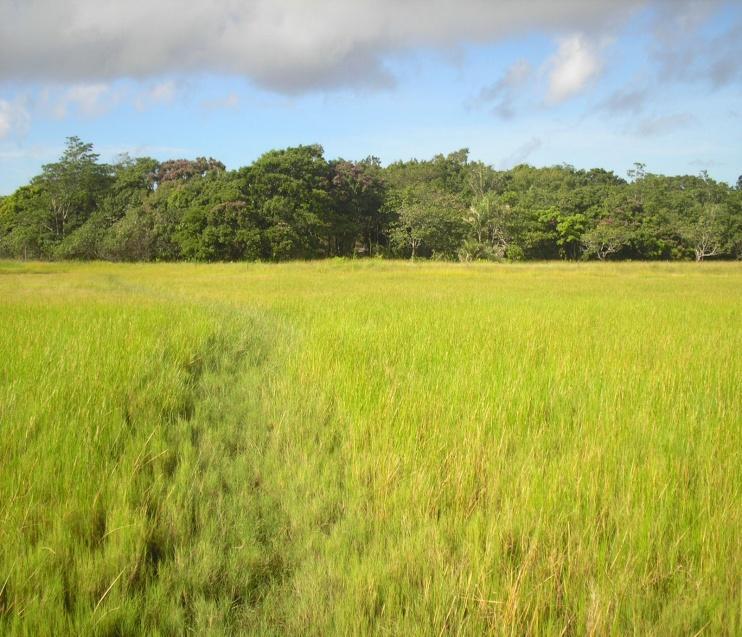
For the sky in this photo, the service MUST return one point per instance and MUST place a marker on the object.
(592, 83)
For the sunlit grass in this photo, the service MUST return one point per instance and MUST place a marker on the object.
(370, 447)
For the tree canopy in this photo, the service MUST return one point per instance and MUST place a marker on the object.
(295, 204)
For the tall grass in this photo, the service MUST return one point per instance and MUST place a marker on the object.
(359, 447)
(123, 485)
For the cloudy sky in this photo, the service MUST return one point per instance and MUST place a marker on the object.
(587, 82)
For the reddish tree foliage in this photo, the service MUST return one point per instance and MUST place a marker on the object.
(184, 169)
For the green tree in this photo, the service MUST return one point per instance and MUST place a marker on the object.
(24, 233)
(357, 190)
(608, 237)
(217, 224)
(131, 184)
(705, 229)
(567, 230)
(494, 228)
(290, 189)
(447, 173)
(429, 221)
(72, 187)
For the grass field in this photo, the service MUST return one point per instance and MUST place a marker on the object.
(361, 447)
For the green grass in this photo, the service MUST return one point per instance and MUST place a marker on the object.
(359, 447)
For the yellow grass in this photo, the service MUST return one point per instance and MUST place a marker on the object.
(364, 447)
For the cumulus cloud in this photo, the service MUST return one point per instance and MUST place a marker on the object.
(502, 94)
(289, 46)
(572, 67)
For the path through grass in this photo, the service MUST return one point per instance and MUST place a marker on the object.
(359, 447)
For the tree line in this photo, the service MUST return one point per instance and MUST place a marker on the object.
(296, 204)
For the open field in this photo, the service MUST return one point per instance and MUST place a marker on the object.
(356, 447)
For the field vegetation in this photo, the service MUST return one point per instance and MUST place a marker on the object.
(294, 203)
(370, 447)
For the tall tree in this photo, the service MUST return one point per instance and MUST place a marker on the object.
(72, 187)
(705, 230)
(430, 221)
(358, 193)
(494, 228)
(291, 190)
(608, 237)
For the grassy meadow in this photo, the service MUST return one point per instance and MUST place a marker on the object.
(370, 447)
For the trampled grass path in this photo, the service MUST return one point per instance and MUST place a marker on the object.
(370, 448)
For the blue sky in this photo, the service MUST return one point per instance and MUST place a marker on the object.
(657, 82)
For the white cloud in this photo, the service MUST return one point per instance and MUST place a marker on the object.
(289, 46)
(161, 93)
(664, 124)
(625, 100)
(230, 101)
(87, 98)
(14, 118)
(502, 94)
(520, 154)
(38, 153)
(84, 99)
(5, 116)
(572, 67)
(685, 52)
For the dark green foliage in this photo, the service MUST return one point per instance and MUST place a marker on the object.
(294, 204)
(357, 192)
(23, 233)
(215, 222)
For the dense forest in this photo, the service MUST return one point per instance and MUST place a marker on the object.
(296, 204)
